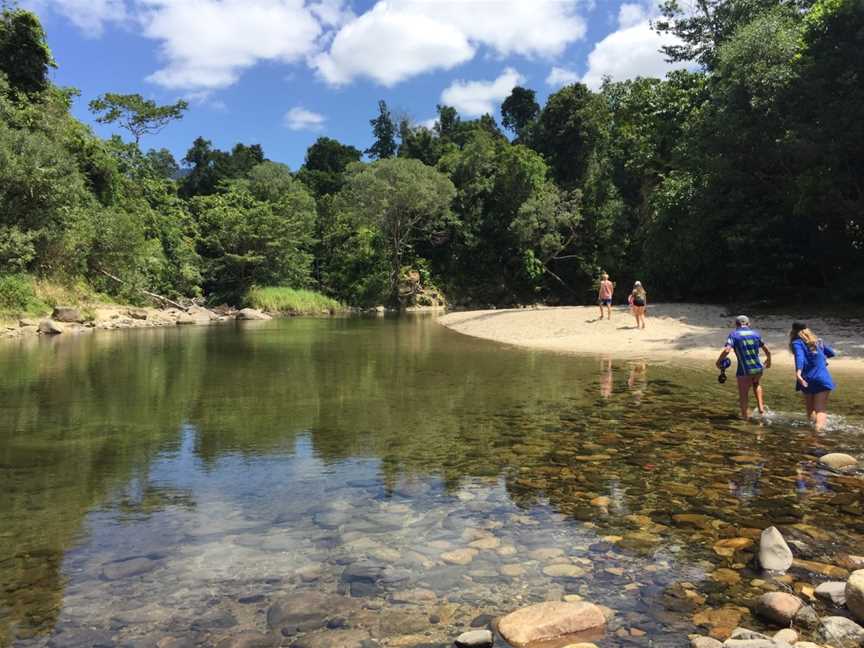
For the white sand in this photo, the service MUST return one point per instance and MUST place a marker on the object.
(686, 332)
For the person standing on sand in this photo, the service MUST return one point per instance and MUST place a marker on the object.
(747, 343)
(604, 296)
(638, 301)
(811, 372)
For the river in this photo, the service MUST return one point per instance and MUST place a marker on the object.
(390, 482)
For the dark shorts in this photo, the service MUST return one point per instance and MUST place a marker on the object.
(814, 387)
(605, 302)
(639, 302)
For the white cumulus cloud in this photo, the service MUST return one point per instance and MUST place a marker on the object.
(631, 51)
(207, 43)
(398, 39)
(298, 118)
(389, 44)
(561, 76)
(474, 98)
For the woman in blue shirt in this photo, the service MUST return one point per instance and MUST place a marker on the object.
(811, 371)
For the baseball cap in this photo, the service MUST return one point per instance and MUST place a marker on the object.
(743, 320)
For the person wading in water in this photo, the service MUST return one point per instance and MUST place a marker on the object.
(747, 343)
(812, 377)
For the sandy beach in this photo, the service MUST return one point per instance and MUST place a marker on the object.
(685, 332)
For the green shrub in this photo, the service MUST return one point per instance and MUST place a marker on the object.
(279, 299)
(18, 295)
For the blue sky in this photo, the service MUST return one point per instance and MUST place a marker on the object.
(283, 72)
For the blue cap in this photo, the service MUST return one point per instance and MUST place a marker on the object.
(726, 363)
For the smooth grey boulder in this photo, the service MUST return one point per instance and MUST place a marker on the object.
(475, 639)
(704, 642)
(832, 592)
(840, 631)
(774, 554)
(252, 314)
(49, 327)
(854, 593)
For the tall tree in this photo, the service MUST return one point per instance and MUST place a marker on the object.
(135, 114)
(519, 110)
(704, 25)
(405, 200)
(324, 167)
(566, 133)
(384, 132)
(24, 54)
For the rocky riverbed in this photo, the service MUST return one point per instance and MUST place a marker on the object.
(268, 492)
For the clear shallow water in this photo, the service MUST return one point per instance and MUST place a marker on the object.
(404, 481)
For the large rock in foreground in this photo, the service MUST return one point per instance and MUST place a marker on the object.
(774, 554)
(550, 620)
(855, 595)
(778, 607)
(840, 631)
(838, 461)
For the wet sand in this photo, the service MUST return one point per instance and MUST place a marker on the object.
(693, 333)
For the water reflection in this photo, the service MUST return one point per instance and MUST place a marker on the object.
(157, 479)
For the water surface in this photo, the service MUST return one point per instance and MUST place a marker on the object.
(404, 481)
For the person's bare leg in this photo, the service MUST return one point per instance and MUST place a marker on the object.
(808, 405)
(820, 408)
(601, 311)
(744, 396)
(760, 396)
(608, 312)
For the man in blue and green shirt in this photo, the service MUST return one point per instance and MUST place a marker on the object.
(747, 343)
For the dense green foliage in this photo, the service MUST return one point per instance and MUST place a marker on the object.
(739, 178)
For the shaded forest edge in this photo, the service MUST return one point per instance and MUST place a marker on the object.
(739, 179)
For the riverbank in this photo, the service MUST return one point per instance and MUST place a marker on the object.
(691, 332)
(71, 320)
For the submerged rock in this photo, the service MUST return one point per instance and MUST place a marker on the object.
(549, 621)
(128, 568)
(855, 594)
(564, 571)
(299, 612)
(774, 554)
(248, 639)
(459, 556)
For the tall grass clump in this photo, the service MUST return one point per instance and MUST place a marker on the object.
(18, 296)
(280, 299)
